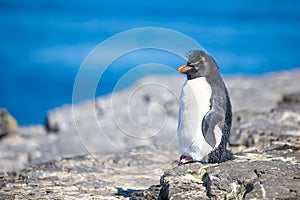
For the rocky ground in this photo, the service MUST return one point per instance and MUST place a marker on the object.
(268, 167)
(109, 131)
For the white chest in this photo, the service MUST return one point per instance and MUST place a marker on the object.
(194, 105)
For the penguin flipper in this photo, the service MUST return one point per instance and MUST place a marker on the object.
(210, 122)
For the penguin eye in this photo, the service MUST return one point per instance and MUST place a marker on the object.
(190, 64)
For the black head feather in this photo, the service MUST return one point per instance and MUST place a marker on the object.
(202, 65)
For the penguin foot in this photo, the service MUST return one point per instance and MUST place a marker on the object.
(185, 159)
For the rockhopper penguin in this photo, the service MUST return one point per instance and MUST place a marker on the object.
(205, 114)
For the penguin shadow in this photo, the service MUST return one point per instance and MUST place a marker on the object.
(126, 192)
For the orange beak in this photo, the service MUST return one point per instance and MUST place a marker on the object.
(183, 69)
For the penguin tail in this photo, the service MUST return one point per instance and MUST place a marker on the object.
(229, 155)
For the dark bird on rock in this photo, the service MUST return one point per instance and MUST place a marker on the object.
(205, 114)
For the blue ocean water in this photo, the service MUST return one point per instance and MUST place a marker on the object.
(44, 42)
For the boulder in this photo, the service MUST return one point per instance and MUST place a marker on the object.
(8, 124)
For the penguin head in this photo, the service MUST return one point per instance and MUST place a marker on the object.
(199, 64)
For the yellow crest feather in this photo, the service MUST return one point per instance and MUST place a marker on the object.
(202, 59)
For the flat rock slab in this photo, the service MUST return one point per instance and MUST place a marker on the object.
(255, 175)
(265, 174)
(113, 176)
